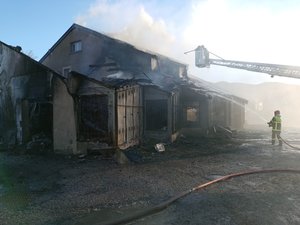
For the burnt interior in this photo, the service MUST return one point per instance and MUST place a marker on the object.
(156, 114)
(93, 117)
(40, 118)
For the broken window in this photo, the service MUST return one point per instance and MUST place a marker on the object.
(192, 114)
(66, 71)
(93, 117)
(154, 64)
(156, 114)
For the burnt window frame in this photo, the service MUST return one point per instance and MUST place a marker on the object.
(198, 107)
(195, 114)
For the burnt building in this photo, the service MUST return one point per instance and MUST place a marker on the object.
(92, 115)
(206, 108)
(93, 92)
(141, 97)
(26, 96)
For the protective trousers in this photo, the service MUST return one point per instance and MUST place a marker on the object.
(276, 134)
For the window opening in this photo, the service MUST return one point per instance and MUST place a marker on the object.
(66, 71)
(76, 46)
(192, 114)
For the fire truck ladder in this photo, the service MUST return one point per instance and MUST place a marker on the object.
(202, 59)
(272, 69)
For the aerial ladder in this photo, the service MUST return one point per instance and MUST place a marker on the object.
(202, 59)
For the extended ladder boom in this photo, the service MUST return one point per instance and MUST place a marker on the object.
(272, 69)
(202, 60)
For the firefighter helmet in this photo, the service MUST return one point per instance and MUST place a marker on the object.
(277, 112)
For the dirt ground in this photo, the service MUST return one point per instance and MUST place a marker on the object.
(48, 189)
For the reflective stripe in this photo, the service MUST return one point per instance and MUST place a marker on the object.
(276, 122)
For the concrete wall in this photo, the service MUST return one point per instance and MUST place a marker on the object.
(64, 123)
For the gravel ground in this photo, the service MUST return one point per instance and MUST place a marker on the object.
(49, 189)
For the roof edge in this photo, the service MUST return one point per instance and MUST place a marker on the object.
(74, 25)
(57, 42)
(31, 59)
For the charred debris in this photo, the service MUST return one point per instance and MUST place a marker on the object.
(91, 92)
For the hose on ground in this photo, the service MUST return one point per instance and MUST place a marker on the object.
(285, 142)
(165, 204)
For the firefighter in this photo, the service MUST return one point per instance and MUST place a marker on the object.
(275, 123)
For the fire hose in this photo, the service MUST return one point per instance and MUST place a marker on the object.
(285, 142)
(165, 204)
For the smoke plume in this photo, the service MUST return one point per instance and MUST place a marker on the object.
(130, 22)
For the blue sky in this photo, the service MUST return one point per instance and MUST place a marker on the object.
(257, 30)
(35, 25)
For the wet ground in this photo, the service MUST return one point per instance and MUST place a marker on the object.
(49, 189)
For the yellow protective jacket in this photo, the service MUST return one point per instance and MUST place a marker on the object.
(276, 123)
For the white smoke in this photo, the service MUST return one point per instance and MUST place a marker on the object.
(236, 31)
(130, 22)
(247, 33)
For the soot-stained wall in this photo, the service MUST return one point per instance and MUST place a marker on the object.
(25, 97)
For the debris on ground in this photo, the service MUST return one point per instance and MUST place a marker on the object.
(160, 147)
(48, 189)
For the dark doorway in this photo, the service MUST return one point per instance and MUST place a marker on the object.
(40, 117)
(93, 118)
(156, 114)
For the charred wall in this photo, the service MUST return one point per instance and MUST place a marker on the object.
(220, 111)
(161, 114)
(25, 97)
(195, 111)
(97, 53)
(228, 111)
(84, 116)
(237, 116)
